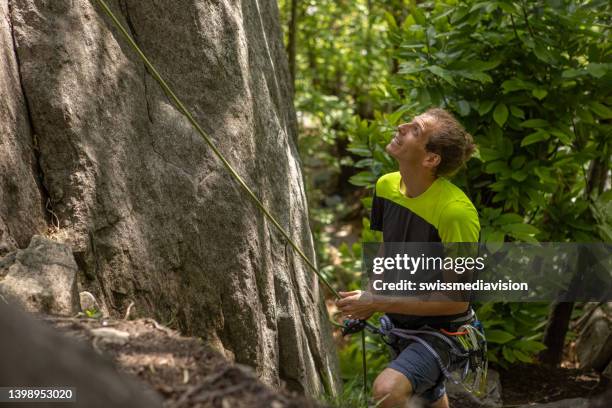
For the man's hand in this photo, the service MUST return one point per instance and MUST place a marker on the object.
(357, 304)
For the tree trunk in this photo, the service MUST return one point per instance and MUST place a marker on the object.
(561, 312)
(150, 213)
(292, 39)
(556, 329)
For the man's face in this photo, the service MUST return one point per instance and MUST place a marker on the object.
(409, 142)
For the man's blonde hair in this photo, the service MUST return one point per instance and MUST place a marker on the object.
(448, 139)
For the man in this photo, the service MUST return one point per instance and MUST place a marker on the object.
(419, 204)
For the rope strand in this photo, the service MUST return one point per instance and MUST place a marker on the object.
(181, 107)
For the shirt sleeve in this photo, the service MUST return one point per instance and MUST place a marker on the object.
(376, 216)
(459, 223)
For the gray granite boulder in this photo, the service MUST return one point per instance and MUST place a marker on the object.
(42, 278)
(92, 147)
(36, 355)
(594, 344)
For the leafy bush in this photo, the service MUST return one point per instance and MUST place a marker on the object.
(513, 330)
(531, 82)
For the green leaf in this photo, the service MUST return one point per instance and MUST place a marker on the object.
(597, 70)
(497, 166)
(534, 123)
(463, 107)
(360, 151)
(474, 65)
(508, 355)
(480, 5)
(517, 112)
(394, 117)
(516, 84)
(418, 15)
(475, 76)
(585, 115)
(542, 53)
(390, 20)
(486, 65)
(491, 356)
(487, 154)
(535, 137)
(539, 93)
(563, 137)
(601, 110)
(362, 179)
(506, 148)
(498, 336)
(529, 346)
(509, 218)
(520, 228)
(410, 68)
(518, 162)
(525, 238)
(573, 73)
(495, 236)
(484, 107)
(459, 14)
(442, 73)
(500, 114)
(519, 175)
(93, 313)
(522, 356)
(507, 7)
(367, 202)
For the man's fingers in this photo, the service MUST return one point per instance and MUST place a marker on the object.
(346, 308)
(346, 294)
(343, 302)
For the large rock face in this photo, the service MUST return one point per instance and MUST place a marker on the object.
(21, 201)
(150, 213)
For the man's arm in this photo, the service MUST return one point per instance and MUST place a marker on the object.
(362, 304)
(406, 305)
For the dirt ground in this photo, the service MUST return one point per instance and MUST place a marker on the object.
(188, 375)
(533, 383)
(181, 369)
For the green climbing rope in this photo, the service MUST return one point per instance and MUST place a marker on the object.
(181, 107)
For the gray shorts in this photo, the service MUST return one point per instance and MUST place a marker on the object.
(422, 370)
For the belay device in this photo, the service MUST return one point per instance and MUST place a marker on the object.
(467, 346)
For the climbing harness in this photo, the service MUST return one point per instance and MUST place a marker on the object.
(467, 347)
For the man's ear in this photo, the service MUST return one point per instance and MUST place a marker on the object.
(432, 160)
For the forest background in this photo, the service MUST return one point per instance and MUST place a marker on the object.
(530, 80)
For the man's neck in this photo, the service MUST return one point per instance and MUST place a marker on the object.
(415, 180)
